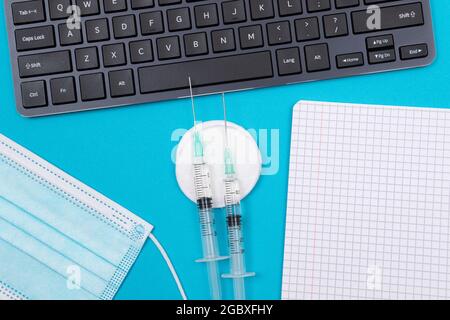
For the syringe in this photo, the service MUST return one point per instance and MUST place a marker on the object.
(202, 184)
(234, 220)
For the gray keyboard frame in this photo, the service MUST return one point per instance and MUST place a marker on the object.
(337, 46)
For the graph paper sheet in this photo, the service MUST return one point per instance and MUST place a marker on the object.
(368, 203)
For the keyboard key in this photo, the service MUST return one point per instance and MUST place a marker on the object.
(151, 23)
(206, 72)
(121, 83)
(167, 2)
(350, 60)
(178, 19)
(114, 55)
(124, 27)
(168, 48)
(307, 29)
(34, 94)
(97, 30)
(114, 5)
(58, 9)
(335, 25)
(195, 44)
(414, 51)
(279, 33)
(318, 5)
(251, 37)
(69, 37)
(63, 90)
(289, 7)
(393, 17)
(28, 12)
(141, 51)
(340, 4)
(87, 58)
(223, 40)
(88, 7)
(261, 9)
(317, 58)
(92, 87)
(380, 42)
(141, 4)
(233, 11)
(288, 61)
(381, 56)
(44, 64)
(35, 38)
(206, 15)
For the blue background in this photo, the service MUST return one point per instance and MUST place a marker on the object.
(125, 153)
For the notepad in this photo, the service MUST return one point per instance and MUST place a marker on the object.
(368, 203)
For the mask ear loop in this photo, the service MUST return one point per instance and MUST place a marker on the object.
(169, 264)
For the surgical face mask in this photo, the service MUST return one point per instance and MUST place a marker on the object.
(60, 239)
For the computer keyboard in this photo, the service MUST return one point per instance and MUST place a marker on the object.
(122, 52)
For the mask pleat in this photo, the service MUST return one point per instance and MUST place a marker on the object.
(62, 213)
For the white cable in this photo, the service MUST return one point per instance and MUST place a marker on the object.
(169, 264)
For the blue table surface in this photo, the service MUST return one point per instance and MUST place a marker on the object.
(125, 153)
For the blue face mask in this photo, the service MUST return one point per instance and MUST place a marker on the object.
(59, 239)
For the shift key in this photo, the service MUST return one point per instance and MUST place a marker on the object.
(44, 64)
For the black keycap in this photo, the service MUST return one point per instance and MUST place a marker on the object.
(92, 87)
(178, 19)
(251, 37)
(233, 11)
(87, 58)
(167, 2)
(350, 60)
(380, 42)
(58, 9)
(195, 44)
(288, 61)
(35, 38)
(317, 58)
(28, 12)
(381, 56)
(124, 26)
(88, 7)
(307, 29)
(415, 51)
(206, 15)
(97, 30)
(151, 23)
(121, 83)
(34, 94)
(140, 4)
(114, 55)
(393, 17)
(346, 3)
(318, 5)
(335, 25)
(114, 5)
(44, 64)
(223, 40)
(69, 37)
(261, 9)
(141, 51)
(206, 72)
(279, 33)
(168, 48)
(63, 90)
(290, 7)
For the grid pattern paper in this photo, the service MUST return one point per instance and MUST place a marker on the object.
(368, 203)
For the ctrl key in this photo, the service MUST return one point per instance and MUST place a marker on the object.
(34, 94)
